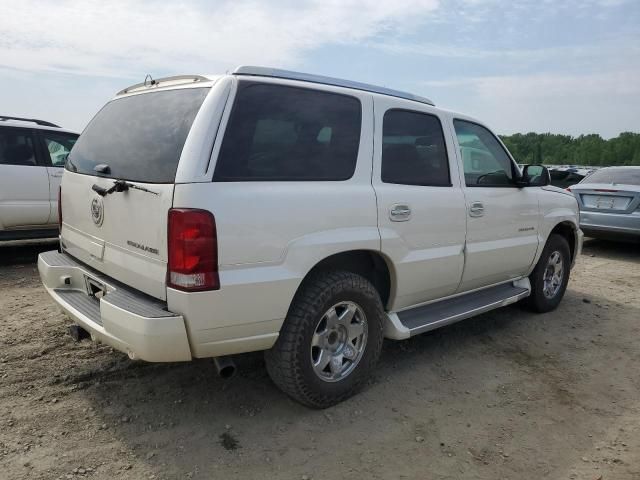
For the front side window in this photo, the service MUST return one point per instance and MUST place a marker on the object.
(16, 147)
(58, 146)
(413, 149)
(486, 163)
(285, 133)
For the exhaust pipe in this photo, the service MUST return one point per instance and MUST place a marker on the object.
(78, 333)
(225, 367)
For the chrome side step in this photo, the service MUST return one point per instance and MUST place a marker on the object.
(415, 321)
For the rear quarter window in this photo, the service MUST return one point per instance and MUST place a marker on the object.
(282, 133)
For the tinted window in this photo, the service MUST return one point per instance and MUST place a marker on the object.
(287, 133)
(16, 147)
(413, 149)
(626, 176)
(485, 161)
(58, 146)
(139, 137)
(563, 178)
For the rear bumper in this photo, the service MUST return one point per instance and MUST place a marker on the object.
(125, 319)
(598, 222)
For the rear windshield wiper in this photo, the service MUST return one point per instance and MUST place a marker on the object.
(119, 186)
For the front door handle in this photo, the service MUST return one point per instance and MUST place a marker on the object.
(476, 209)
(399, 213)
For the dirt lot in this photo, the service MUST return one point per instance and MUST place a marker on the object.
(505, 395)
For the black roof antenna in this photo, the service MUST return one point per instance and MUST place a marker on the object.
(151, 80)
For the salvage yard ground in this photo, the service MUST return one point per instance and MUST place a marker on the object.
(507, 395)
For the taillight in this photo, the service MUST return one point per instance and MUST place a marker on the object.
(60, 208)
(193, 250)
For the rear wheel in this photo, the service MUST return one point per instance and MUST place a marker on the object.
(330, 341)
(550, 277)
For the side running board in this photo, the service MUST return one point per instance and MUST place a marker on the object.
(414, 321)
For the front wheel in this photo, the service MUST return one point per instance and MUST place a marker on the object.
(550, 277)
(330, 341)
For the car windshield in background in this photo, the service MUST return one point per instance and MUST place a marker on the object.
(139, 137)
(624, 176)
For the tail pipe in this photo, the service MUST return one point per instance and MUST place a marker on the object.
(78, 333)
(225, 367)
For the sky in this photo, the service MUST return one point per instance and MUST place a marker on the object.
(560, 66)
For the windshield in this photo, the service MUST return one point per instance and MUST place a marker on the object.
(140, 137)
(625, 176)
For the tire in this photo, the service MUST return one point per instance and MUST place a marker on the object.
(546, 297)
(296, 366)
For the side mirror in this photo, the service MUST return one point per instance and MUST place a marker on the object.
(534, 176)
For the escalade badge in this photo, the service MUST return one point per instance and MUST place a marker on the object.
(142, 247)
(97, 210)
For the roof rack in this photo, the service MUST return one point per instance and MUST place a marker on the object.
(306, 77)
(175, 80)
(44, 123)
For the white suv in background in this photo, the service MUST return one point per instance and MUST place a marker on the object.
(32, 157)
(306, 216)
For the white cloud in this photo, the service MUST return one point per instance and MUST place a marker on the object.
(603, 102)
(569, 66)
(124, 38)
(603, 51)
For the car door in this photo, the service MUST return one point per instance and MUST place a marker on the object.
(56, 147)
(24, 183)
(502, 219)
(421, 210)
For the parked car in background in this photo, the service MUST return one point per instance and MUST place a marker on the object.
(609, 200)
(564, 178)
(305, 216)
(32, 158)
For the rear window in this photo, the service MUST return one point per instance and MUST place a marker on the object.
(287, 133)
(625, 176)
(140, 137)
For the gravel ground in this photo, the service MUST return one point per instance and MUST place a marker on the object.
(507, 395)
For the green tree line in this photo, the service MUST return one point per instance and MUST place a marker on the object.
(592, 149)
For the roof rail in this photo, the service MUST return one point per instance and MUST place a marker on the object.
(175, 80)
(306, 77)
(44, 123)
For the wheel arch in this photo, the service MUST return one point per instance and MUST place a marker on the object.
(370, 264)
(569, 232)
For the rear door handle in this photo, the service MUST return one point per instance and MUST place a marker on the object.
(399, 213)
(476, 209)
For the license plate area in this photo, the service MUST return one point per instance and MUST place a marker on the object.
(95, 289)
(606, 202)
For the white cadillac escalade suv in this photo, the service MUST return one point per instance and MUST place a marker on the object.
(305, 216)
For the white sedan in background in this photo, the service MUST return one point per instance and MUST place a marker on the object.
(609, 200)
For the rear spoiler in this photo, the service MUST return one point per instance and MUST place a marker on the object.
(163, 82)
